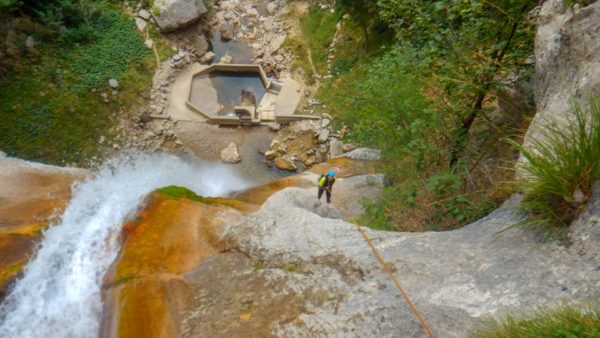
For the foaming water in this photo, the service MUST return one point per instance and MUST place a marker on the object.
(59, 294)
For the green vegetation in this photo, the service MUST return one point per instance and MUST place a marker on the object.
(177, 192)
(563, 322)
(318, 28)
(425, 93)
(51, 108)
(301, 60)
(291, 267)
(562, 166)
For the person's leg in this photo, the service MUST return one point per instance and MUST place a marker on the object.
(320, 193)
(328, 196)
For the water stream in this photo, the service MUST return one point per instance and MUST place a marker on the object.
(59, 293)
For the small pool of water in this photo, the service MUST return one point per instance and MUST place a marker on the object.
(240, 51)
(231, 85)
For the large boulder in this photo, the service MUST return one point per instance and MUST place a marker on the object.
(567, 58)
(176, 14)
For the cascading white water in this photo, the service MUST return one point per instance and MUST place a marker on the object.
(59, 294)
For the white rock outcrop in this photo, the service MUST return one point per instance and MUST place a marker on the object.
(567, 57)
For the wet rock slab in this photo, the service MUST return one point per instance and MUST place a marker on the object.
(31, 196)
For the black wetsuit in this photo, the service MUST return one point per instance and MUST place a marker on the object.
(329, 181)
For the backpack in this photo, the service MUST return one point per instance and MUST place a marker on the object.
(322, 181)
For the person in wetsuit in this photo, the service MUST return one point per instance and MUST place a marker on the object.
(326, 185)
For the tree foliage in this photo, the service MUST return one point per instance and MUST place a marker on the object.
(470, 48)
(419, 102)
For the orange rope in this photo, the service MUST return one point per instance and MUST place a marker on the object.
(386, 268)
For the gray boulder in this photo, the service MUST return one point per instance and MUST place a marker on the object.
(230, 154)
(227, 31)
(323, 135)
(335, 147)
(176, 14)
(363, 154)
(208, 57)
(144, 14)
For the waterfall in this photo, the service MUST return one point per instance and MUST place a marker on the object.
(59, 294)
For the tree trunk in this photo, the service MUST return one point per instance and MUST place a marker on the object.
(485, 83)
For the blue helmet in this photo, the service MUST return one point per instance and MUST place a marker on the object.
(331, 173)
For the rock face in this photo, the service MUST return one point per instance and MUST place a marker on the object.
(295, 268)
(146, 287)
(176, 14)
(567, 56)
(455, 278)
(230, 154)
(173, 279)
(31, 196)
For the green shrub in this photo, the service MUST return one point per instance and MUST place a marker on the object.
(563, 322)
(177, 192)
(342, 66)
(62, 87)
(560, 171)
(7, 3)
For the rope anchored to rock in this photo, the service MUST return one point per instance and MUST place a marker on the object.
(387, 268)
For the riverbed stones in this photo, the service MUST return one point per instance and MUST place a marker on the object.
(226, 59)
(252, 12)
(285, 163)
(323, 136)
(176, 14)
(149, 43)
(270, 154)
(230, 154)
(208, 57)
(227, 31)
(272, 8)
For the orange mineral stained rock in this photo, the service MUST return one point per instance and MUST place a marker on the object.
(146, 286)
(31, 196)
